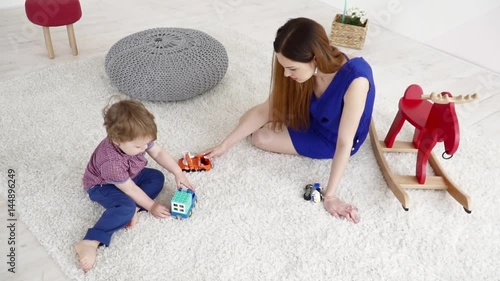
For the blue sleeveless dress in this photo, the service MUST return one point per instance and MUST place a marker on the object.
(320, 139)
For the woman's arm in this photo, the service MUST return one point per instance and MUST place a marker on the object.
(354, 104)
(251, 121)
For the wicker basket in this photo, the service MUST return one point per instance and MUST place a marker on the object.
(347, 35)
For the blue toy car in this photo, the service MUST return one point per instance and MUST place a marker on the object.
(182, 203)
(312, 192)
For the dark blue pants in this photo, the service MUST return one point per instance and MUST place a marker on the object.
(120, 208)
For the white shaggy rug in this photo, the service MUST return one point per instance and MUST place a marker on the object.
(251, 222)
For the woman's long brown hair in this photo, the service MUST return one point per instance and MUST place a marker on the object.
(301, 40)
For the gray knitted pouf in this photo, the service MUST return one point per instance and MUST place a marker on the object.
(166, 64)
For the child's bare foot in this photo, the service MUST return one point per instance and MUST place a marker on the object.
(87, 253)
(133, 221)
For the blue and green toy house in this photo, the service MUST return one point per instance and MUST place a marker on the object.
(182, 203)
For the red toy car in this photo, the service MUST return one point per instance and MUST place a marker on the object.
(194, 163)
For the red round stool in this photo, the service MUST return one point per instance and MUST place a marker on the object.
(55, 13)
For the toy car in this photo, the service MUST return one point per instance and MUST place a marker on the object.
(182, 203)
(194, 163)
(312, 192)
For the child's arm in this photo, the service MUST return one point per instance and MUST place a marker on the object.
(142, 199)
(166, 161)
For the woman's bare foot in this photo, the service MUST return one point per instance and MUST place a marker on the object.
(134, 219)
(87, 253)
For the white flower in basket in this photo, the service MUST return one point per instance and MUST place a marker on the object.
(355, 16)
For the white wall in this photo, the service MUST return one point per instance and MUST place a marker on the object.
(467, 31)
(11, 3)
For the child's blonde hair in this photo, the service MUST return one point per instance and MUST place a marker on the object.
(127, 120)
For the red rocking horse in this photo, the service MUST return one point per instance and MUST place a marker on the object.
(435, 120)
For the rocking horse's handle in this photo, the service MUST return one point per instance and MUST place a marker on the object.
(445, 99)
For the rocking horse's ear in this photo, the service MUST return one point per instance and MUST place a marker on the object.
(413, 92)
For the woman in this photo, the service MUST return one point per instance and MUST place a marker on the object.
(320, 106)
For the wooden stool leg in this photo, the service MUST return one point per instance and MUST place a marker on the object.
(48, 41)
(72, 40)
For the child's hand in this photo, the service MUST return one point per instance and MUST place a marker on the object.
(182, 180)
(159, 211)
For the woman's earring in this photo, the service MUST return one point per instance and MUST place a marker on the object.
(316, 70)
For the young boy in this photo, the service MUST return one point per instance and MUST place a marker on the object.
(117, 178)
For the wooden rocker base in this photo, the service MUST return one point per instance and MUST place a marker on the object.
(397, 183)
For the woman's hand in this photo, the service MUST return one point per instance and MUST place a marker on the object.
(182, 180)
(159, 211)
(216, 151)
(340, 209)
